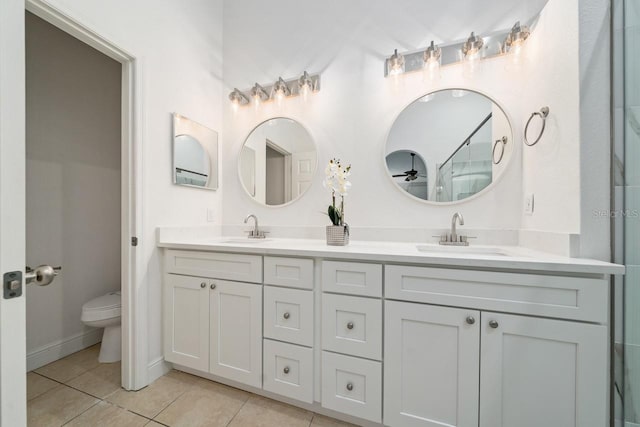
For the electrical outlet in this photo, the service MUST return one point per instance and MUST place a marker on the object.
(528, 204)
(211, 215)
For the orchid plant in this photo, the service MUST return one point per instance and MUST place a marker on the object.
(336, 175)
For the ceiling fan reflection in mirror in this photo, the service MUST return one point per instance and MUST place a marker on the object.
(411, 175)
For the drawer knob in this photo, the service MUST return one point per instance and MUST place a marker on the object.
(286, 370)
(203, 285)
(286, 315)
(213, 286)
(471, 320)
(493, 323)
(349, 386)
(350, 325)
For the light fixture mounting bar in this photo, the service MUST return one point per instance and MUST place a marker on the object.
(452, 53)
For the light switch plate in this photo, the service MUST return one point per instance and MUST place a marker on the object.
(529, 204)
(211, 215)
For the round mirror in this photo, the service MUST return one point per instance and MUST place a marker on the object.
(277, 162)
(448, 145)
(192, 162)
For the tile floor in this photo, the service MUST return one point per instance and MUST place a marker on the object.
(79, 391)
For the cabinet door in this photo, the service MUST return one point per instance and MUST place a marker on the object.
(186, 321)
(431, 365)
(236, 331)
(540, 372)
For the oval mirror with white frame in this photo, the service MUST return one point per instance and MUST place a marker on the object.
(277, 162)
(448, 145)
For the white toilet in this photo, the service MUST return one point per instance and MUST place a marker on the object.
(104, 312)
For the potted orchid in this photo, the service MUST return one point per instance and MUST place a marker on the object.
(336, 175)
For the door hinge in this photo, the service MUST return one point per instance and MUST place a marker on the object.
(134, 241)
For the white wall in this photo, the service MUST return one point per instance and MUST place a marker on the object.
(352, 114)
(73, 179)
(178, 46)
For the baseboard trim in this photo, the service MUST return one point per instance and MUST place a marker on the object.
(64, 347)
(158, 368)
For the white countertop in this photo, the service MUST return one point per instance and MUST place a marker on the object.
(514, 258)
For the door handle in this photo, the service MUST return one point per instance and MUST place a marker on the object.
(43, 275)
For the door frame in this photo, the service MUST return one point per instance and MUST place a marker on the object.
(134, 289)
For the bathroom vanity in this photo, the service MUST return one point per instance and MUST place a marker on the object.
(385, 333)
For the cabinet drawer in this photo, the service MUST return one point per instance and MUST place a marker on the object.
(291, 272)
(238, 267)
(352, 325)
(550, 296)
(354, 278)
(288, 315)
(288, 370)
(352, 386)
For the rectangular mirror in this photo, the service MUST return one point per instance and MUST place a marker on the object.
(195, 154)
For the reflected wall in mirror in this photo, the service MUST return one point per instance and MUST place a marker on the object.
(277, 162)
(440, 148)
(195, 154)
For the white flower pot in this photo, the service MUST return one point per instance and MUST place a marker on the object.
(337, 235)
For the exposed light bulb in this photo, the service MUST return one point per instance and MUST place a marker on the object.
(515, 40)
(237, 98)
(396, 64)
(432, 61)
(258, 94)
(472, 51)
(305, 85)
(235, 104)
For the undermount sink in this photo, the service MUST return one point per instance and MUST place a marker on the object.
(244, 240)
(469, 250)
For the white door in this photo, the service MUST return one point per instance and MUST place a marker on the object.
(302, 165)
(186, 321)
(540, 372)
(13, 368)
(236, 331)
(431, 365)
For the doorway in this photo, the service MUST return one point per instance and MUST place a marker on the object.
(73, 180)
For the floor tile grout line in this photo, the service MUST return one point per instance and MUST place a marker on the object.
(238, 411)
(96, 403)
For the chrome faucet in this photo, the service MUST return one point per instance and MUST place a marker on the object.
(459, 218)
(256, 233)
(452, 239)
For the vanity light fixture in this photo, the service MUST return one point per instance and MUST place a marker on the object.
(237, 98)
(258, 94)
(395, 64)
(277, 91)
(516, 38)
(469, 51)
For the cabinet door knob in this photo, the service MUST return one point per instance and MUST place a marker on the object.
(471, 320)
(213, 286)
(286, 315)
(493, 323)
(350, 325)
(349, 386)
(286, 370)
(203, 285)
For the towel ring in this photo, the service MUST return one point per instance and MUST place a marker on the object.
(543, 113)
(496, 145)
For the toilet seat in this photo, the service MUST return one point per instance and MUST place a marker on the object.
(101, 308)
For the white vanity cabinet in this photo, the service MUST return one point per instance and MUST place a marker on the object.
(528, 371)
(214, 325)
(390, 344)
